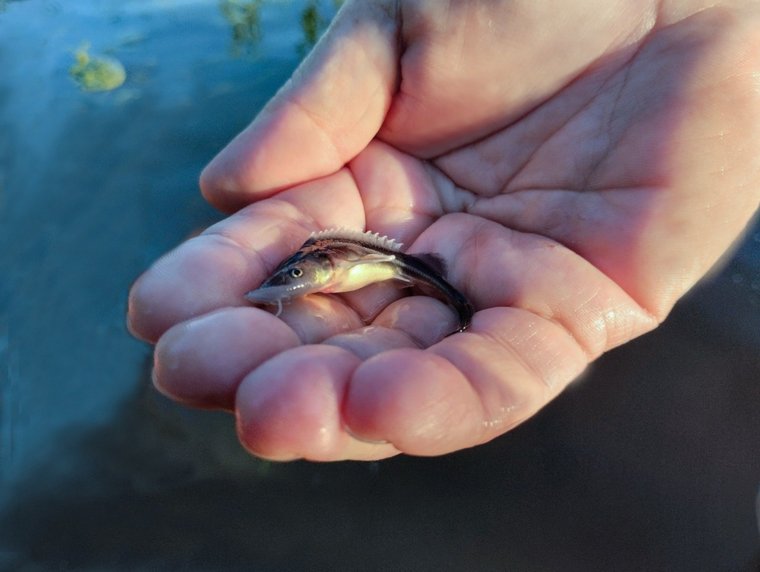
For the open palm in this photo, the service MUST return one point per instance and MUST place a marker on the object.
(578, 175)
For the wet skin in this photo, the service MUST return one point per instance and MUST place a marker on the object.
(339, 260)
(578, 174)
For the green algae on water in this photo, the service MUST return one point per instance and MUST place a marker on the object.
(97, 73)
(314, 20)
(312, 24)
(245, 23)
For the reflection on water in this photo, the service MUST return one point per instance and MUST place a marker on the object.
(245, 23)
(314, 19)
(312, 24)
(96, 73)
(103, 183)
(244, 19)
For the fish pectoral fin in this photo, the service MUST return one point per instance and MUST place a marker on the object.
(374, 258)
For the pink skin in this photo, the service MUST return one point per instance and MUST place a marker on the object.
(579, 169)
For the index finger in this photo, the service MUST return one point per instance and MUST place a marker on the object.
(326, 114)
(215, 269)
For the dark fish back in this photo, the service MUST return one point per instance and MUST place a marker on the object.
(432, 282)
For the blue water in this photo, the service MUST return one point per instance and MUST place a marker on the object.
(97, 185)
(652, 461)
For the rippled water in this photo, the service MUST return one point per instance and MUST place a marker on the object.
(651, 462)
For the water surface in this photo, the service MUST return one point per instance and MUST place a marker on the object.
(652, 461)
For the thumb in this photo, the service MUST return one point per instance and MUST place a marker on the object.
(327, 112)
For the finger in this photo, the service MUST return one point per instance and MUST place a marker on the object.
(415, 400)
(465, 390)
(330, 109)
(424, 320)
(398, 192)
(551, 313)
(370, 340)
(215, 269)
(290, 408)
(316, 317)
(201, 362)
(415, 322)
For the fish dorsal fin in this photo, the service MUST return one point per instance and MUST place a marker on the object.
(368, 238)
(434, 261)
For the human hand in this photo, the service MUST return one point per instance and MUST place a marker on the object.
(578, 167)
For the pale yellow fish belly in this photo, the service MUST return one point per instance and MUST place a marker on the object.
(360, 275)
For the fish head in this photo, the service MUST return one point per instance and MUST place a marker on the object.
(301, 274)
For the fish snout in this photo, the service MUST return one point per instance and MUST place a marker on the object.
(276, 294)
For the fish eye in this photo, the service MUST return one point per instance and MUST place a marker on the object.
(296, 272)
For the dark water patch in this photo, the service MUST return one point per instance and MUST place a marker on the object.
(649, 462)
(625, 471)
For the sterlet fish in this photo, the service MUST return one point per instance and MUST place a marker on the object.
(342, 260)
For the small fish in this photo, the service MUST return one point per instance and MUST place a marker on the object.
(340, 260)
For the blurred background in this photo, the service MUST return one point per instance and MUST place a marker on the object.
(108, 112)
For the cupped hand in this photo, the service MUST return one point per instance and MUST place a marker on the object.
(579, 167)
